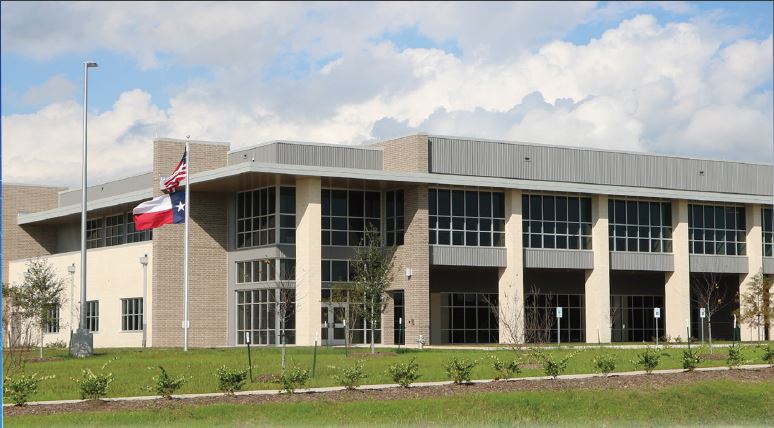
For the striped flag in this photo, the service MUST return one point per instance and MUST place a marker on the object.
(178, 175)
(165, 209)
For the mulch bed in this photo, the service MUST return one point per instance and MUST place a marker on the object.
(640, 382)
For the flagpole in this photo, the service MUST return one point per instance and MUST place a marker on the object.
(187, 218)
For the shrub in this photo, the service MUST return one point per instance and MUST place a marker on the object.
(230, 381)
(505, 369)
(293, 378)
(57, 344)
(460, 370)
(20, 388)
(768, 354)
(604, 364)
(691, 359)
(734, 358)
(404, 374)
(551, 366)
(94, 386)
(350, 377)
(166, 385)
(648, 359)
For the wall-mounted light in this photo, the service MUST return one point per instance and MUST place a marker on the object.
(409, 272)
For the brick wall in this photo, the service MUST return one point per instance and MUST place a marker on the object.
(21, 242)
(413, 254)
(407, 154)
(208, 262)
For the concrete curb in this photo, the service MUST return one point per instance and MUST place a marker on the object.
(393, 385)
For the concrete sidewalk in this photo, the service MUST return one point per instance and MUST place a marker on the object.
(393, 385)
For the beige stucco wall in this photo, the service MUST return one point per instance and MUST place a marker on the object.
(598, 279)
(511, 277)
(113, 273)
(677, 289)
(308, 259)
(754, 241)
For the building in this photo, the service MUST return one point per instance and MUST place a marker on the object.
(606, 235)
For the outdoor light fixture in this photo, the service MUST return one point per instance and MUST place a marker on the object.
(144, 263)
(409, 272)
(82, 342)
(71, 271)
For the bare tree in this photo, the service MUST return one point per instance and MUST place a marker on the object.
(756, 307)
(615, 309)
(536, 324)
(33, 299)
(708, 293)
(285, 306)
(372, 266)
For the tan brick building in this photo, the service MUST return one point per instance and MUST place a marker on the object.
(492, 240)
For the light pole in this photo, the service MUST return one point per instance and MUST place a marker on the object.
(71, 270)
(84, 341)
(144, 263)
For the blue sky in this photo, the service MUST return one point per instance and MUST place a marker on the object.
(351, 73)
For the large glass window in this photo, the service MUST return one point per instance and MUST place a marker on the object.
(133, 235)
(266, 315)
(469, 218)
(287, 215)
(131, 314)
(114, 230)
(540, 318)
(92, 315)
(395, 218)
(768, 239)
(287, 270)
(642, 226)
(256, 220)
(347, 214)
(469, 318)
(562, 222)
(94, 233)
(52, 318)
(255, 271)
(714, 229)
(337, 271)
(633, 318)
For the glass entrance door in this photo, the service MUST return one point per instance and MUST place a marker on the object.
(334, 328)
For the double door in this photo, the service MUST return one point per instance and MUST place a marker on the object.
(333, 319)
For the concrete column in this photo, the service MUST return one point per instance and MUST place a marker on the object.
(511, 282)
(754, 245)
(308, 259)
(677, 290)
(598, 279)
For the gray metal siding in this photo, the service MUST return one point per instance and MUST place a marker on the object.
(563, 164)
(467, 256)
(768, 265)
(106, 190)
(718, 264)
(558, 259)
(327, 155)
(642, 261)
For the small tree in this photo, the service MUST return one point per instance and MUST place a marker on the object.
(34, 297)
(756, 306)
(708, 293)
(373, 265)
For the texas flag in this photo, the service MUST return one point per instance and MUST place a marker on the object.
(165, 209)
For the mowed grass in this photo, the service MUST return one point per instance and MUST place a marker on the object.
(133, 369)
(710, 403)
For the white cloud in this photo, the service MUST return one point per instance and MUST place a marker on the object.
(57, 88)
(683, 88)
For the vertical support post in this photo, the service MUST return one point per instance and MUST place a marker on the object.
(144, 262)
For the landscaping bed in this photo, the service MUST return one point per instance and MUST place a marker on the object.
(614, 382)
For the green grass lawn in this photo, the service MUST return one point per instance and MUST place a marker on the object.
(133, 368)
(709, 403)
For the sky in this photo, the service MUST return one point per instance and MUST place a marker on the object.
(679, 78)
